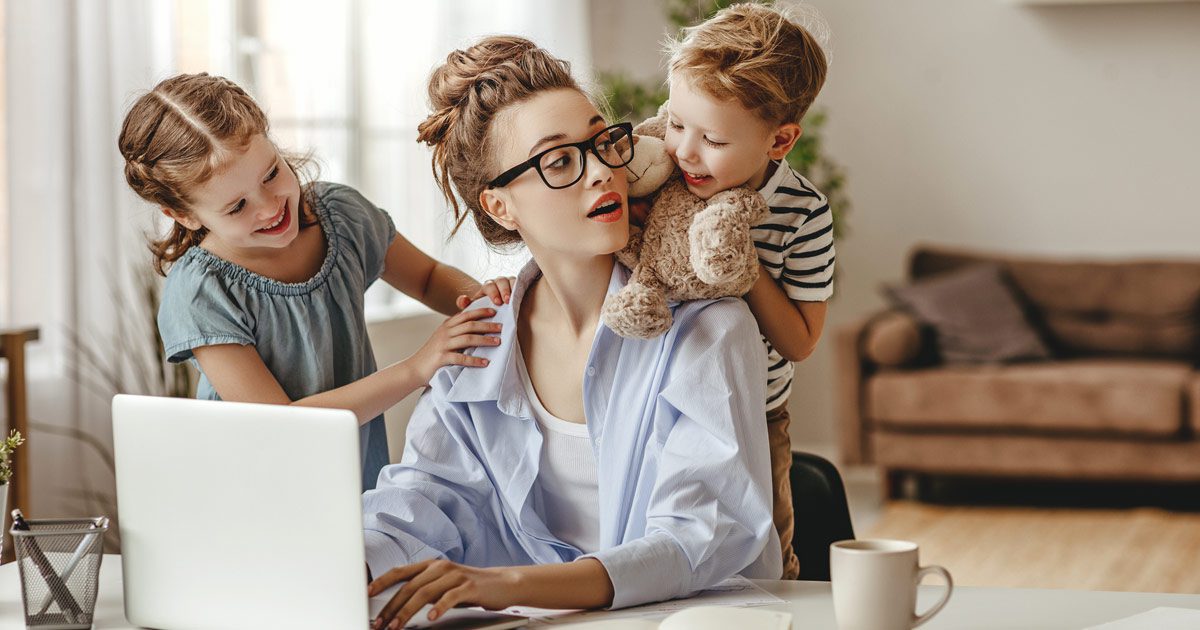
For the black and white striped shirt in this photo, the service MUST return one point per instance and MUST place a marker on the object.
(795, 244)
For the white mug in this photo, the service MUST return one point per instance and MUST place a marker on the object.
(875, 584)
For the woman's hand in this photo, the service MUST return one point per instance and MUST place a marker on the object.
(444, 585)
(457, 333)
(499, 289)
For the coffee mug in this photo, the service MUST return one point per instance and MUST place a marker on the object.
(875, 584)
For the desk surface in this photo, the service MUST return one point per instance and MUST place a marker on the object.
(809, 602)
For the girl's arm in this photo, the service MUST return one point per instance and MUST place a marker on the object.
(444, 584)
(417, 275)
(792, 327)
(238, 373)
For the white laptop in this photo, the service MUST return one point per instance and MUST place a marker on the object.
(236, 515)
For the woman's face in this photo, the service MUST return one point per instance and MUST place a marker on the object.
(587, 218)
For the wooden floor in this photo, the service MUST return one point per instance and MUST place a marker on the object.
(1135, 549)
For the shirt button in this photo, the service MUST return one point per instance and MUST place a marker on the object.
(591, 371)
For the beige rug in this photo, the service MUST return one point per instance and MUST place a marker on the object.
(1107, 550)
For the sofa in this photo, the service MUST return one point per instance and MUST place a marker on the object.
(1117, 399)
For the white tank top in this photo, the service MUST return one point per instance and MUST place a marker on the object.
(567, 474)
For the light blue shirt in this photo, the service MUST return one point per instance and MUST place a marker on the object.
(681, 455)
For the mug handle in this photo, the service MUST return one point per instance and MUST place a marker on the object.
(927, 615)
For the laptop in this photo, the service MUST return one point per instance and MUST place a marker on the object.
(235, 515)
(238, 515)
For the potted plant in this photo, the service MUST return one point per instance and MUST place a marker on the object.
(7, 446)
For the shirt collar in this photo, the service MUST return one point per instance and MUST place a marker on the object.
(500, 380)
(776, 180)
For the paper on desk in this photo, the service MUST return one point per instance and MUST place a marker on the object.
(1156, 619)
(735, 591)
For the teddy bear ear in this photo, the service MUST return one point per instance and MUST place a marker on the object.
(650, 168)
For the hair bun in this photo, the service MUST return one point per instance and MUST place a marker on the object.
(465, 74)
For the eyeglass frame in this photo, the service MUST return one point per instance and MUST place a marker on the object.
(584, 147)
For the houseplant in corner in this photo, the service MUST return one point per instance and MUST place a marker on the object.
(7, 446)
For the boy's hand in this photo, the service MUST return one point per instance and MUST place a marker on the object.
(499, 289)
(639, 209)
(457, 333)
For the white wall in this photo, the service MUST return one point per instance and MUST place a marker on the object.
(1053, 129)
(395, 340)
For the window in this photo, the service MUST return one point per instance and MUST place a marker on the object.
(347, 80)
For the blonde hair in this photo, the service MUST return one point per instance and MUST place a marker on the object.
(178, 135)
(753, 53)
(466, 93)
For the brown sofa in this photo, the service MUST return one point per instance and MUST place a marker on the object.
(1120, 400)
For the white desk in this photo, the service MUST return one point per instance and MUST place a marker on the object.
(809, 602)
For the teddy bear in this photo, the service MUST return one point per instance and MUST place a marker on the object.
(689, 248)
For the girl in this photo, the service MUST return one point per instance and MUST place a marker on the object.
(267, 273)
(578, 469)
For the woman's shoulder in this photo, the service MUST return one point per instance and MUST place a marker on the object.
(728, 316)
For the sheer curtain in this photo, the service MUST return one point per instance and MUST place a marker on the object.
(347, 81)
(344, 79)
(75, 232)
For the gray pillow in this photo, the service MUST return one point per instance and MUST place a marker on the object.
(975, 315)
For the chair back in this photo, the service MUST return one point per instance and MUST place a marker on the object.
(821, 513)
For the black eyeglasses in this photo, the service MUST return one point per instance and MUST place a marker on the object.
(563, 165)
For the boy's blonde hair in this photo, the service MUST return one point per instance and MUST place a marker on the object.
(753, 53)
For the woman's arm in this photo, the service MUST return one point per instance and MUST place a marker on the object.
(444, 584)
(238, 373)
(792, 327)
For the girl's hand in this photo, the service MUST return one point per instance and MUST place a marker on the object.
(444, 585)
(499, 289)
(457, 333)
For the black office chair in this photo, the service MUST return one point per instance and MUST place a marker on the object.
(822, 515)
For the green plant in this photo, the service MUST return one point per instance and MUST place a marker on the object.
(633, 100)
(7, 446)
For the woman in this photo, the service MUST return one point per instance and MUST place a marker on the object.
(578, 469)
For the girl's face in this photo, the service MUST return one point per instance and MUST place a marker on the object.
(587, 218)
(252, 203)
(717, 144)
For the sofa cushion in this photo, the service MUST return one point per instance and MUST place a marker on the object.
(892, 339)
(1083, 395)
(1131, 307)
(974, 314)
(1193, 404)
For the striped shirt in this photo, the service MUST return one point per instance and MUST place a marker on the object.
(795, 244)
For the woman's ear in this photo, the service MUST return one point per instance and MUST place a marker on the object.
(186, 220)
(496, 203)
(783, 139)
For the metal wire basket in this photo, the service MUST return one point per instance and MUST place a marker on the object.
(59, 560)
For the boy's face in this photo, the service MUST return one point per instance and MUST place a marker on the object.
(718, 144)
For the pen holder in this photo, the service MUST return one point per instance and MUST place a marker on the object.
(59, 560)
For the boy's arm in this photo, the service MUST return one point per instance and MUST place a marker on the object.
(793, 327)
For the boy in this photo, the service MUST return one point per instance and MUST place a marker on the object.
(740, 84)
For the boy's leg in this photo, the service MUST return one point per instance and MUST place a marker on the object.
(781, 482)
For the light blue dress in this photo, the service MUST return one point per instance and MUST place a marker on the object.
(312, 335)
(682, 459)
